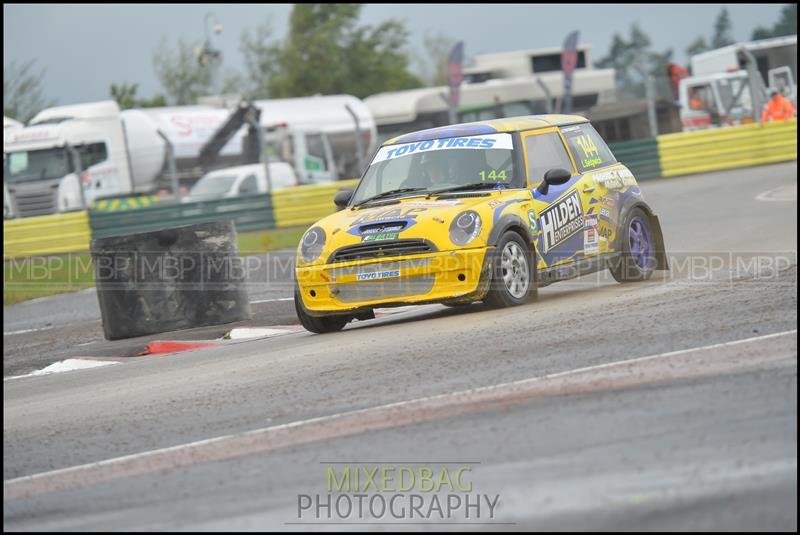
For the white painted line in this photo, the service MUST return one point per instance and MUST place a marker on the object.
(67, 365)
(781, 193)
(271, 300)
(386, 416)
(23, 331)
(260, 332)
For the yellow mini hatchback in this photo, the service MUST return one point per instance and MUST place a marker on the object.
(486, 211)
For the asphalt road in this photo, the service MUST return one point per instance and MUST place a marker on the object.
(577, 431)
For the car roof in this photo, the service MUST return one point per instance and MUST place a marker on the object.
(492, 126)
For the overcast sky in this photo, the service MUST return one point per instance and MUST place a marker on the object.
(83, 48)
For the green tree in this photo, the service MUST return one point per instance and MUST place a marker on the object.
(23, 96)
(261, 56)
(634, 61)
(327, 52)
(438, 47)
(786, 25)
(723, 30)
(125, 95)
(697, 46)
(181, 75)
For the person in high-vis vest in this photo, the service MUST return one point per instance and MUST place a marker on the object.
(779, 108)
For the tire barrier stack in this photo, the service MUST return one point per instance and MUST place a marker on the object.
(170, 279)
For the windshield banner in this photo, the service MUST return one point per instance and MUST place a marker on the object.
(490, 141)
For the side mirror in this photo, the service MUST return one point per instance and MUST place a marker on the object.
(342, 197)
(554, 177)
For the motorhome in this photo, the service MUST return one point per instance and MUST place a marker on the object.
(498, 85)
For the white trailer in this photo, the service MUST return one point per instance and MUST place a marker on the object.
(768, 53)
(506, 84)
(341, 126)
(8, 122)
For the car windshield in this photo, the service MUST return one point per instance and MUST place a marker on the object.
(440, 164)
(32, 165)
(213, 184)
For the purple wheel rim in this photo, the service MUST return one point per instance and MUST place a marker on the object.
(641, 244)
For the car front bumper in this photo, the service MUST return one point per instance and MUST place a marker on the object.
(350, 287)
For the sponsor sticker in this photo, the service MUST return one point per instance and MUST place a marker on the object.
(378, 275)
(378, 236)
(385, 215)
(489, 141)
(591, 236)
(532, 219)
(611, 202)
(432, 204)
(561, 221)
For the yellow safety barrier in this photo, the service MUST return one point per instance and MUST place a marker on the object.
(45, 235)
(124, 203)
(303, 205)
(726, 148)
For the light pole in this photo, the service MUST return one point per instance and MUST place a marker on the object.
(206, 54)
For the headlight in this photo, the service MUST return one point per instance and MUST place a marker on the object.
(312, 244)
(465, 227)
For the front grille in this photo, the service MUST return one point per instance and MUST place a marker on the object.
(385, 289)
(31, 204)
(364, 251)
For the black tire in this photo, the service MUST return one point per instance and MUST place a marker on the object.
(636, 261)
(325, 324)
(500, 295)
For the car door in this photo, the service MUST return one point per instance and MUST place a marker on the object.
(559, 219)
(606, 185)
(248, 186)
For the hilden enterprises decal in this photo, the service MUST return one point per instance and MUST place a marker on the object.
(561, 221)
(376, 275)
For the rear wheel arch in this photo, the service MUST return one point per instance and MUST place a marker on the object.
(655, 226)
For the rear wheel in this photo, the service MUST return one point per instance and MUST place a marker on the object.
(637, 260)
(325, 324)
(513, 273)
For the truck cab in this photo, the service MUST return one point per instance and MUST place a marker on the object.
(307, 151)
(59, 167)
(67, 157)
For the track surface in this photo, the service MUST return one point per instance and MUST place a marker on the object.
(705, 439)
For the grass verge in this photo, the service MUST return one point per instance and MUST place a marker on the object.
(39, 276)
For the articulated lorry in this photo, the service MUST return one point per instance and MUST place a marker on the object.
(69, 156)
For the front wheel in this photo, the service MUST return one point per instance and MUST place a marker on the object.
(325, 324)
(637, 259)
(513, 273)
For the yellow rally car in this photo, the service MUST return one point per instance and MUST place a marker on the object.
(485, 211)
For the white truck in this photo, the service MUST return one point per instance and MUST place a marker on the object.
(68, 156)
(730, 85)
(8, 122)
